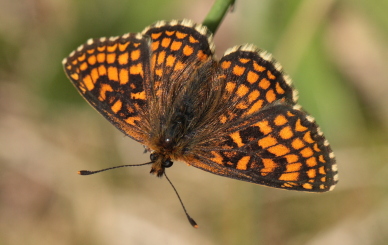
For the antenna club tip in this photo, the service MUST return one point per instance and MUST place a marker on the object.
(83, 172)
(192, 222)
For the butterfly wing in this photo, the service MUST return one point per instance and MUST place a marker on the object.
(280, 147)
(179, 49)
(135, 80)
(113, 76)
(264, 136)
(182, 70)
(252, 80)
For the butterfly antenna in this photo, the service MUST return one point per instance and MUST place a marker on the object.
(191, 220)
(88, 172)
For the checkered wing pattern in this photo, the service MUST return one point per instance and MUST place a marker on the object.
(179, 49)
(265, 137)
(181, 68)
(237, 117)
(280, 147)
(113, 76)
(252, 81)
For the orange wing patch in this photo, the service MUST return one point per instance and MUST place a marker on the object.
(102, 70)
(174, 49)
(255, 82)
(274, 146)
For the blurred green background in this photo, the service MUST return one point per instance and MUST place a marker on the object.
(337, 54)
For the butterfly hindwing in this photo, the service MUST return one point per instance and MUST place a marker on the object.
(113, 76)
(252, 80)
(178, 48)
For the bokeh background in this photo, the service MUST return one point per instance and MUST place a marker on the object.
(335, 50)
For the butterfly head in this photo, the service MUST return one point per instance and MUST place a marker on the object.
(159, 163)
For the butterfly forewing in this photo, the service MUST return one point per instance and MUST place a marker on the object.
(113, 76)
(279, 147)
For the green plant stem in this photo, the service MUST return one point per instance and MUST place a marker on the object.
(216, 14)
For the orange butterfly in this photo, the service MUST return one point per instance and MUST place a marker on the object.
(237, 117)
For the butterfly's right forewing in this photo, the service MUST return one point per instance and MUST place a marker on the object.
(113, 76)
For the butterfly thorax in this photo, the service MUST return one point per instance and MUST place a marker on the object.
(172, 140)
(179, 113)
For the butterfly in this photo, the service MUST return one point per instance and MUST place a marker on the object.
(236, 117)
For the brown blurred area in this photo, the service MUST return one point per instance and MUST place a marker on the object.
(335, 51)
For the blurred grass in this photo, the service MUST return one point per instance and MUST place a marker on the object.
(335, 51)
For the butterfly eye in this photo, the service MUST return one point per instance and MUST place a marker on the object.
(168, 163)
(154, 156)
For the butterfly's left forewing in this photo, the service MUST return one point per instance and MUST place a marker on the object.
(281, 147)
